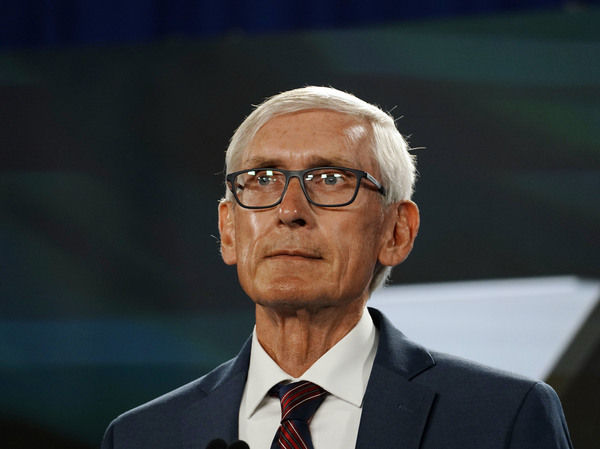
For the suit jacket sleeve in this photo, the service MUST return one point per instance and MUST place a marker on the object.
(540, 422)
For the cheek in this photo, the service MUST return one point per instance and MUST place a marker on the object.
(366, 247)
(248, 236)
(356, 247)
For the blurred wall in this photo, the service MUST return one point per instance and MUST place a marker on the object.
(112, 289)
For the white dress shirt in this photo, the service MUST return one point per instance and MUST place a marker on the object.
(343, 371)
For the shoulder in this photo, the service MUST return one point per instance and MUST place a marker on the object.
(482, 390)
(489, 403)
(481, 404)
(155, 423)
(182, 397)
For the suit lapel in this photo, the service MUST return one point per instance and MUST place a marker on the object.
(216, 413)
(215, 416)
(395, 410)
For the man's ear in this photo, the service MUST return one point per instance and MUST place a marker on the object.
(400, 234)
(227, 232)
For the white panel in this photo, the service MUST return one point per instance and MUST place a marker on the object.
(520, 325)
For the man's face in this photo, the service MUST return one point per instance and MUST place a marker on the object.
(297, 255)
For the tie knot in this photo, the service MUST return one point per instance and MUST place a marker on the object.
(300, 400)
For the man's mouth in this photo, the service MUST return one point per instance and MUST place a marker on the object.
(290, 253)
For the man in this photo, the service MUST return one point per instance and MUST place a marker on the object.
(316, 213)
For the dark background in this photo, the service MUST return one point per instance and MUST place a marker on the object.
(114, 119)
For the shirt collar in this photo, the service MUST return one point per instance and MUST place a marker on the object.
(343, 371)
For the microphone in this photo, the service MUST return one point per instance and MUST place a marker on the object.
(217, 443)
(239, 444)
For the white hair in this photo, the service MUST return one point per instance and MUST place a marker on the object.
(391, 151)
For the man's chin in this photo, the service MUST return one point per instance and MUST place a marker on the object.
(290, 296)
(291, 306)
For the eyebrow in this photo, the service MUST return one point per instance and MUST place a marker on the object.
(261, 162)
(317, 161)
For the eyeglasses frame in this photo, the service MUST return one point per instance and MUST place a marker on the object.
(360, 175)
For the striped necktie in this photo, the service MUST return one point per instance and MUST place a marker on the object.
(299, 402)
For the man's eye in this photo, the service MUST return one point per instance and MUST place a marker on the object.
(332, 179)
(264, 180)
(329, 178)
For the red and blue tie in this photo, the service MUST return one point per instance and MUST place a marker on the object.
(299, 402)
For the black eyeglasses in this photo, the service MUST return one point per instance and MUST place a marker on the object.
(261, 188)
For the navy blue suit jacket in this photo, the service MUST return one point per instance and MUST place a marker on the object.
(415, 399)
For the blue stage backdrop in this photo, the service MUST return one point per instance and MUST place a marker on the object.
(112, 290)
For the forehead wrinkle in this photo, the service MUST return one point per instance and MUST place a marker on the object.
(261, 161)
(354, 134)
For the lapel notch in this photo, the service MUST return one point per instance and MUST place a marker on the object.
(395, 412)
(395, 409)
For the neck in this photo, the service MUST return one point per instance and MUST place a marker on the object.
(295, 339)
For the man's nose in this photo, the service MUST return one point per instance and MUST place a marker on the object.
(294, 206)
